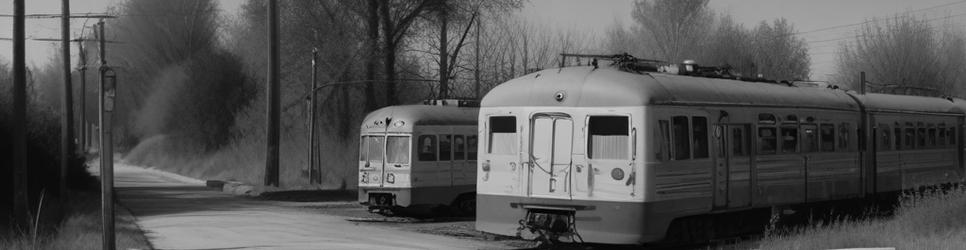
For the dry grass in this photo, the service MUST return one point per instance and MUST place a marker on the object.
(81, 229)
(928, 220)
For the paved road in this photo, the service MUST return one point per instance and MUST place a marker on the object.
(178, 213)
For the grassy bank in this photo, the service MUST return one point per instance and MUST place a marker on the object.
(80, 229)
(929, 220)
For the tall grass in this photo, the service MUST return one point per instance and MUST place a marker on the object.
(925, 220)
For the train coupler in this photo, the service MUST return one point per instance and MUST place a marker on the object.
(549, 226)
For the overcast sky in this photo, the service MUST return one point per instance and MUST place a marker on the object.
(590, 16)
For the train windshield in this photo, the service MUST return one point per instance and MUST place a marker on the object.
(375, 145)
(397, 149)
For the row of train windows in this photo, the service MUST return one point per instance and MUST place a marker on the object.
(910, 136)
(450, 147)
(686, 137)
(609, 137)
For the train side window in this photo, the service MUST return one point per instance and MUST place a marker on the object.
(789, 139)
(427, 148)
(471, 142)
(767, 140)
(609, 137)
(897, 135)
(739, 144)
(810, 139)
(952, 136)
(445, 147)
(931, 136)
(908, 142)
(827, 137)
(681, 139)
(941, 137)
(661, 145)
(921, 137)
(699, 125)
(459, 148)
(363, 147)
(845, 131)
(885, 137)
(503, 135)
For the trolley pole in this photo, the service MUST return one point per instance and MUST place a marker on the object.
(106, 103)
(862, 82)
(67, 121)
(20, 202)
(314, 174)
(271, 157)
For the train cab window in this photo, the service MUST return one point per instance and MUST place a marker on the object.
(662, 150)
(471, 142)
(397, 149)
(681, 139)
(909, 140)
(789, 139)
(445, 147)
(609, 137)
(845, 130)
(363, 147)
(377, 146)
(885, 137)
(503, 135)
(459, 148)
(931, 137)
(427, 148)
(699, 126)
(767, 140)
(828, 137)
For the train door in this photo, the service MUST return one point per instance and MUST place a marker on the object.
(732, 173)
(551, 142)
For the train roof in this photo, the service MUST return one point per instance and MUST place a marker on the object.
(907, 103)
(609, 86)
(402, 118)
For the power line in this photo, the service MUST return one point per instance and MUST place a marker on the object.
(858, 36)
(868, 21)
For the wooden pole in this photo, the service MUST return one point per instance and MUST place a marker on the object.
(315, 174)
(20, 200)
(67, 120)
(271, 159)
(106, 150)
(443, 57)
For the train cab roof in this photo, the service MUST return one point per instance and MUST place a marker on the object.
(402, 118)
(589, 86)
(907, 103)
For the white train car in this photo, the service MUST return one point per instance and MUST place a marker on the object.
(620, 156)
(419, 156)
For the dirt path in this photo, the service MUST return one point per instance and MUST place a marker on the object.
(177, 213)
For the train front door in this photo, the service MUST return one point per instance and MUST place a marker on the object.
(551, 141)
(732, 169)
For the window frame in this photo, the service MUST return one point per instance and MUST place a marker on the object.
(489, 131)
(630, 140)
(435, 143)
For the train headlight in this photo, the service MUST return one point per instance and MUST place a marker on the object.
(617, 174)
(486, 166)
(398, 124)
(391, 178)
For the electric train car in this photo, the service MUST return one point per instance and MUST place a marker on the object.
(419, 156)
(617, 155)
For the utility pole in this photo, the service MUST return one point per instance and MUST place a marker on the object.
(82, 68)
(67, 120)
(862, 82)
(314, 175)
(20, 201)
(271, 157)
(443, 57)
(106, 104)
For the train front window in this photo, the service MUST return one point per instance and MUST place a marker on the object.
(609, 137)
(503, 135)
(459, 148)
(363, 147)
(427, 148)
(377, 145)
(397, 149)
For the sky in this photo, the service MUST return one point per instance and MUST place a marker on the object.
(588, 16)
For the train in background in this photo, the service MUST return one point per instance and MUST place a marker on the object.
(419, 156)
(635, 153)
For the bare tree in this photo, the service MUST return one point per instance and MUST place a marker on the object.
(677, 27)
